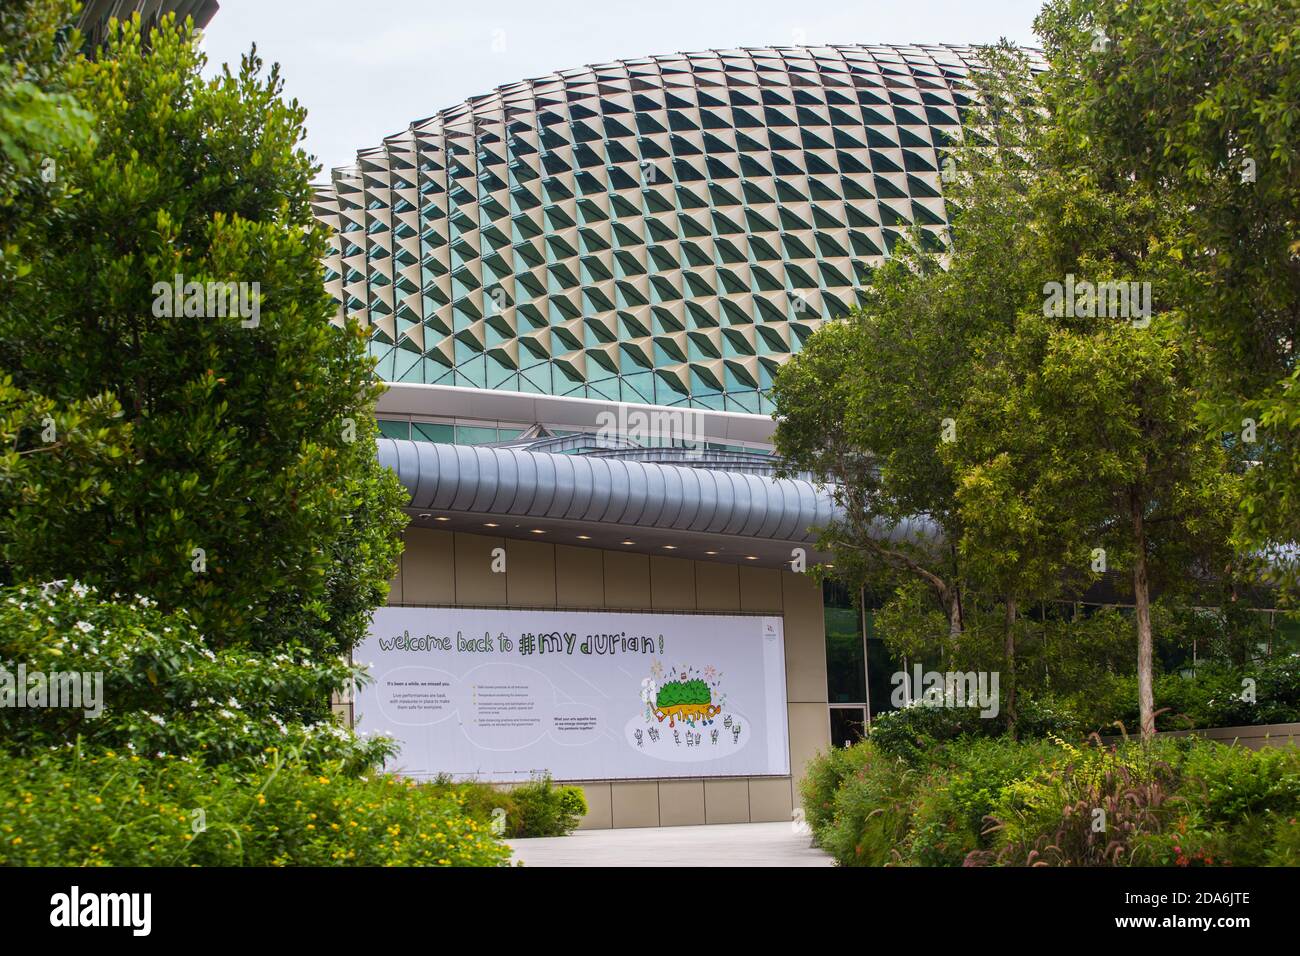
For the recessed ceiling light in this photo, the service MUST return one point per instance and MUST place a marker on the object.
(710, 552)
(670, 547)
(441, 518)
(584, 537)
(490, 524)
(426, 516)
(629, 542)
(538, 531)
(751, 557)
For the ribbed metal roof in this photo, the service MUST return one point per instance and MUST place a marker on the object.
(506, 481)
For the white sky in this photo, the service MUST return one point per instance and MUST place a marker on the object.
(367, 68)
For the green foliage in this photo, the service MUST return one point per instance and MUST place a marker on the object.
(1238, 783)
(1213, 694)
(40, 121)
(164, 691)
(950, 818)
(73, 807)
(541, 809)
(534, 809)
(872, 811)
(57, 463)
(679, 692)
(253, 444)
(918, 734)
(822, 779)
(863, 406)
(1193, 102)
(998, 802)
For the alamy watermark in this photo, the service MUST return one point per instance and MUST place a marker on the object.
(208, 300)
(1086, 300)
(649, 427)
(41, 689)
(946, 689)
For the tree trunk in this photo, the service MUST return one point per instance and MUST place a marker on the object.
(1142, 601)
(1010, 666)
(952, 599)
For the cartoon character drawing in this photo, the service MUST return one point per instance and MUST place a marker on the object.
(685, 700)
(637, 735)
(713, 735)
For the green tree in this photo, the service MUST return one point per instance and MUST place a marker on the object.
(56, 460)
(1197, 103)
(250, 496)
(1090, 435)
(869, 402)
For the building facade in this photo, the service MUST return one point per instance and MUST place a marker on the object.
(580, 287)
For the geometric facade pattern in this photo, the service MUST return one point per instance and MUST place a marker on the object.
(665, 230)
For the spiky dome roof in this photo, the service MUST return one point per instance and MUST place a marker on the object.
(667, 229)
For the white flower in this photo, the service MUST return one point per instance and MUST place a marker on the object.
(158, 719)
(85, 627)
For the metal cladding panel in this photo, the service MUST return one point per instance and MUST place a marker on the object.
(499, 481)
(572, 237)
(526, 488)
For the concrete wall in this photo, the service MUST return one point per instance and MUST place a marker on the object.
(1256, 737)
(444, 567)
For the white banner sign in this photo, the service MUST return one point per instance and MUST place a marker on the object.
(581, 695)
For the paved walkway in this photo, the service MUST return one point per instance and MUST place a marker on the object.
(728, 844)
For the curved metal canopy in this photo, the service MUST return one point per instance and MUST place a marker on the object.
(484, 480)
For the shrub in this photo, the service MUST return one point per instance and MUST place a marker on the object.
(535, 809)
(68, 807)
(822, 780)
(1211, 696)
(542, 809)
(1235, 783)
(872, 810)
(917, 733)
(250, 439)
(163, 690)
(1088, 811)
(980, 801)
(950, 821)
(914, 733)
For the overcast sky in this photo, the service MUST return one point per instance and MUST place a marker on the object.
(368, 68)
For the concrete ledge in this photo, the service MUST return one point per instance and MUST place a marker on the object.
(1255, 737)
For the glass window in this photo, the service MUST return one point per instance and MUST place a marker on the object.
(428, 431)
(846, 675)
(848, 725)
(881, 668)
(474, 435)
(392, 429)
